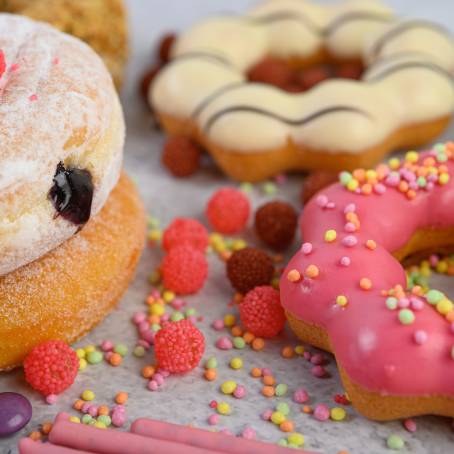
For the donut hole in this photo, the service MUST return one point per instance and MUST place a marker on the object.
(295, 77)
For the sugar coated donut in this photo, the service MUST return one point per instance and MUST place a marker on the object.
(253, 130)
(66, 292)
(346, 291)
(62, 135)
(81, 18)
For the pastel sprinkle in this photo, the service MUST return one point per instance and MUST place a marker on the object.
(345, 261)
(281, 389)
(223, 408)
(312, 271)
(341, 300)
(410, 425)
(228, 387)
(330, 236)
(395, 442)
(322, 201)
(365, 283)
(371, 244)
(406, 316)
(306, 248)
(321, 412)
(283, 408)
(293, 275)
(224, 343)
(337, 414)
(350, 241)
(300, 396)
(391, 303)
(434, 296)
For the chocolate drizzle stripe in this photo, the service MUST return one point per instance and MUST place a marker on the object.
(409, 65)
(404, 27)
(292, 122)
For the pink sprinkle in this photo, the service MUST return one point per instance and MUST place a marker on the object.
(93, 411)
(266, 415)
(163, 372)
(108, 355)
(266, 371)
(306, 248)
(143, 326)
(153, 385)
(417, 304)
(349, 227)
(410, 425)
(330, 205)
(420, 336)
(118, 418)
(148, 336)
(249, 433)
(300, 396)
(213, 404)
(218, 325)
(280, 179)
(350, 208)
(403, 303)
(317, 359)
(155, 293)
(318, 371)
(14, 67)
(213, 419)
(158, 378)
(56, 61)
(392, 179)
(51, 399)
(379, 188)
(307, 356)
(350, 241)
(178, 303)
(321, 412)
(433, 260)
(139, 317)
(165, 317)
(322, 201)
(33, 97)
(107, 346)
(119, 408)
(86, 407)
(143, 343)
(224, 343)
(240, 392)
(345, 261)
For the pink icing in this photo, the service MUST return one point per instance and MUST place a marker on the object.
(371, 345)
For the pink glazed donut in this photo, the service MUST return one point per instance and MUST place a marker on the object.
(345, 290)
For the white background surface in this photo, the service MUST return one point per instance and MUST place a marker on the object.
(185, 399)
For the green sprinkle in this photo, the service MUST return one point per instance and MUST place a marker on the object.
(105, 419)
(94, 357)
(281, 389)
(238, 342)
(440, 147)
(190, 312)
(395, 442)
(391, 303)
(212, 363)
(246, 187)
(176, 316)
(121, 349)
(87, 419)
(283, 408)
(269, 188)
(153, 221)
(155, 327)
(434, 296)
(139, 351)
(406, 316)
(282, 442)
(421, 182)
(345, 178)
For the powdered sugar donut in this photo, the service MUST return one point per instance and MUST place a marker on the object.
(62, 134)
(345, 290)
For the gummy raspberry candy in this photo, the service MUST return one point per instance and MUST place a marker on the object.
(185, 231)
(184, 270)
(228, 211)
(51, 367)
(261, 312)
(179, 346)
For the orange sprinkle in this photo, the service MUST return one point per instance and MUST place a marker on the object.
(288, 352)
(411, 194)
(121, 397)
(307, 409)
(210, 374)
(403, 186)
(312, 271)
(268, 391)
(366, 188)
(238, 297)
(152, 319)
(450, 316)
(150, 300)
(103, 410)
(46, 428)
(225, 255)
(78, 404)
(236, 331)
(365, 283)
(268, 380)
(248, 337)
(416, 290)
(371, 244)
(293, 275)
(115, 360)
(343, 452)
(148, 371)
(287, 426)
(256, 372)
(258, 344)
(359, 174)
(35, 435)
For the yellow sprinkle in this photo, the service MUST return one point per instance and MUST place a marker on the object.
(89, 348)
(223, 408)
(277, 417)
(299, 349)
(99, 425)
(445, 306)
(352, 184)
(75, 419)
(337, 413)
(157, 309)
(238, 244)
(312, 271)
(341, 300)
(168, 296)
(236, 363)
(442, 267)
(82, 364)
(443, 178)
(371, 244)
(411, 156)
(228, 387)
(296, 439)
(154, 235)
(229, 320)
(80, 352)
(371, 174)
(394, 163)
(330, 236)
(88, 395)
(293, 275)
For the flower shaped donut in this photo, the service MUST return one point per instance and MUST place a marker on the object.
(254, 130)
(345, 290)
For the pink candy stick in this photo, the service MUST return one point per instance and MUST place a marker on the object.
(107, 441)
(188, 436)
(28, 446)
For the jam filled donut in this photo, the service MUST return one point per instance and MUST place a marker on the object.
(346, 291)
(405, 97)
(68, 244)
(81, 18)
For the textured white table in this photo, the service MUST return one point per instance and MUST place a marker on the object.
(185, 399)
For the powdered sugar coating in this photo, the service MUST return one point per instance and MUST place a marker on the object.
(57, 104)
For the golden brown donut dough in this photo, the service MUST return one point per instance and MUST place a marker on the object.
(100, 23)
(68, 291)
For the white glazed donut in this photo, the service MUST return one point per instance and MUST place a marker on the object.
(58, 112)
(408, 82)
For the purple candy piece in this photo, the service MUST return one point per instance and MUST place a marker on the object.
(15, 413)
